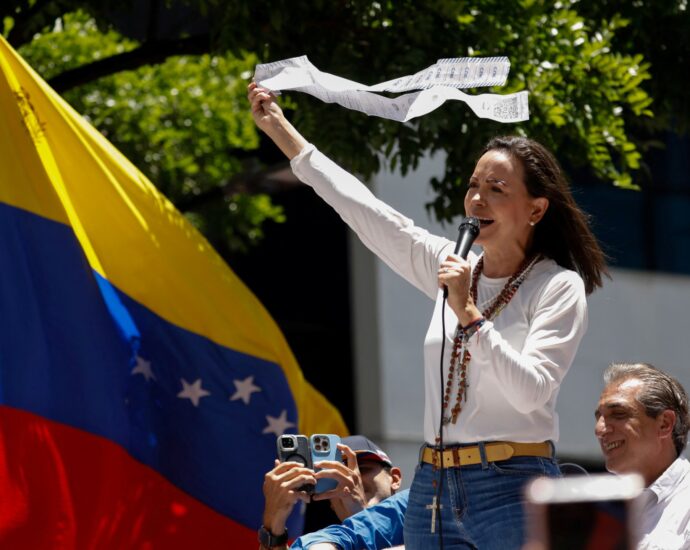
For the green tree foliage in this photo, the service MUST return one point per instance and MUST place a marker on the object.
(183, 122)
(579, 84)
(586, 77)
(660, 31)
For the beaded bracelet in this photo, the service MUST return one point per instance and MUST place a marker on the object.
(473, 327)
(477, 321)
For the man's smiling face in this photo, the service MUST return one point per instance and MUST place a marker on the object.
(629, 439)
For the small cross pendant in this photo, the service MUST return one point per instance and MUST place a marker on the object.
(433, 508)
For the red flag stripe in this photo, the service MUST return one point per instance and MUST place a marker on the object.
(63, 488)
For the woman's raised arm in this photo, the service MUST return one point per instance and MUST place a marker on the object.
(269, 117)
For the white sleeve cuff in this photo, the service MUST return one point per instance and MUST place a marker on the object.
(294, 161)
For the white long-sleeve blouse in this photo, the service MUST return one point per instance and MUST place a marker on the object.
(518, 360)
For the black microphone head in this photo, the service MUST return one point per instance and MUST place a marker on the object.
(467, 233)
(470, 224)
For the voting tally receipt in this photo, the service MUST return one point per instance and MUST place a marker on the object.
(436, 84)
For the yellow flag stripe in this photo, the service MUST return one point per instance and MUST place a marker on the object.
(58, 166)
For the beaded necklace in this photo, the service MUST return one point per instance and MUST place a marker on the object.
(460, 353)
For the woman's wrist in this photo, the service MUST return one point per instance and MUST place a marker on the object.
(469, 315)
(286, 137)
(471, 329)
(475, 323)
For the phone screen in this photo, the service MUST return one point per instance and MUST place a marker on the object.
(600, 525)
(595, 512)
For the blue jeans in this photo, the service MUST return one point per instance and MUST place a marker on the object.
(481, 504)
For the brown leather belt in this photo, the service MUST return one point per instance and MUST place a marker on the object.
(495, 452)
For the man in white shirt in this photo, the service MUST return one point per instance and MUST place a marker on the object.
(642, 426)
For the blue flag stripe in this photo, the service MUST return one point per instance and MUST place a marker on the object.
(63, 357)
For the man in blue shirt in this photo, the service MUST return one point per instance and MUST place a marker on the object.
(380, 526)
(365, 478)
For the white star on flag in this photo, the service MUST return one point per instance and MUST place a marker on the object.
(277, 425)
(245, 388)
(144, 368)
(194, 392)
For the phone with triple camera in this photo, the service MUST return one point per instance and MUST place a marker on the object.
(325, 447)
(295, 448)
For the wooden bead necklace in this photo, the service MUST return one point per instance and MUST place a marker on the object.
(461, 354)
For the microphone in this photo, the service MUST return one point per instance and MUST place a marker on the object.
(467, 233)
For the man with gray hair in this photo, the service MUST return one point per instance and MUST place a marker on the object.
(642, 426)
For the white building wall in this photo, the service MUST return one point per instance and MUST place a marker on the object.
(635, 317)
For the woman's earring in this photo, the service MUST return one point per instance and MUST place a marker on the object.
(532, 223)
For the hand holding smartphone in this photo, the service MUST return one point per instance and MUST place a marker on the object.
(325, 447)
(297, 448)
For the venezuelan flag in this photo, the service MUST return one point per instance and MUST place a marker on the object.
(142, 385)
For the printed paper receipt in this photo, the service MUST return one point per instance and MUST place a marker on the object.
(438, 83)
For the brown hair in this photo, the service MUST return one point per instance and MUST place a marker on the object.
(660, 392)
(563, 234)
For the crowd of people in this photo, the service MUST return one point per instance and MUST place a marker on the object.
(506, 325)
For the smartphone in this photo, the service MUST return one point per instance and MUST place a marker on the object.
(582, 512)
(325, 447)
(295, 448)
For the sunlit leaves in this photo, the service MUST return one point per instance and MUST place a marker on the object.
(179, 121)
(587, 82)
(582, 88)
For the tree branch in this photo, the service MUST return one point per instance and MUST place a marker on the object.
(259, 181)
(152, 27)
(150, 53)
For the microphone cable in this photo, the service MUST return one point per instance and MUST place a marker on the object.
(439, 487)
(467, 233)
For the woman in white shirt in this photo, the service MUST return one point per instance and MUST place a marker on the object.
(515, 317)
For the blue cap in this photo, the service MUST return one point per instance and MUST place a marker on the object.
(366, 449)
